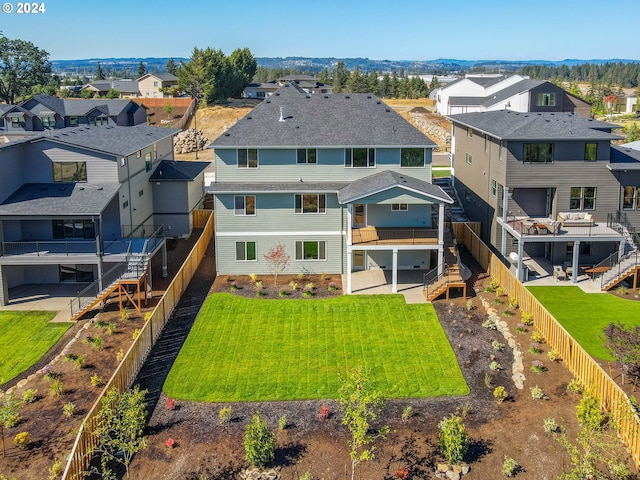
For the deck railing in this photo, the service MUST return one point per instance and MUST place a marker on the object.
(49, 247)
(578, 361)
(125, 374)
(407, 236)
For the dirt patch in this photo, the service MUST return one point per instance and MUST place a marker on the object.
(309, 443)
(288, 286)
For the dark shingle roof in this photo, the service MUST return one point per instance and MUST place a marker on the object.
(164, 77)
(59, 199)
(4, 107)
(335, 120)
(122, 86)
(172, 171)
(120, 141)
(462, 101)
(487, 81)
(509, 125)
(624, 158)
(386, 180)
(80, 107)
(287, 187)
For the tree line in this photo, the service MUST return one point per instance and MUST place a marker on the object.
(625, 75)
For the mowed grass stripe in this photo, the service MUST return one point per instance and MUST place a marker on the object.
(584, 315)
(25, 336)
(243, 349)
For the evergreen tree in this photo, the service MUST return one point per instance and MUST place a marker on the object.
(340, 77)
(172, 67)
(99, 75)
(141, 70)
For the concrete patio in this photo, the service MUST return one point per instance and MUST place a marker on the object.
(50, 297)
(541, 274)
(375, 282)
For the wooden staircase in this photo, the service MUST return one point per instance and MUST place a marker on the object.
(451, 278)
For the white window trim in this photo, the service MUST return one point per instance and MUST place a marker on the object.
(310, 259)
(375, 157)
(245, 250)
(245, 214)
(399, 207)
(248, 167)
(424, 158)
(302, 212)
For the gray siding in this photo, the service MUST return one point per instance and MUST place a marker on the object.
(417, 216)
(12, 176)
(279, 165)
(407, 259)
(40, 155)
(195, 192)
(175, 225)
(170, 197)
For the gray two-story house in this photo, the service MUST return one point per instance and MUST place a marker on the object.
(76, 202)
(542, 185)
(341, 180)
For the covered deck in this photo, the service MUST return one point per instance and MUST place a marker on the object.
(394, 236)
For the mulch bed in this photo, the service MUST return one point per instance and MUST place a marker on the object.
(287, 286)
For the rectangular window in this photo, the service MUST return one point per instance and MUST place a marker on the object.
(69, 171)
(360, 157)
(486, 143)
(500, 154)
(141, 193)
(469, 132)
(73, 229)
(546, 99)
(538, 153)
(245, 205)
(494, 188)
(148, 165)
(399, 207)
(245, 251)
(100, 121)
(591, 152)
(310, 203)
(125, 204)
(585, 248)
(468, 158)
(73, 121)
(631, 198)
(247, 158)
(155, 151)
(412, 157)
(48, 122)
(139, 154)
(583, 198)
(307, 155)
(311, 250)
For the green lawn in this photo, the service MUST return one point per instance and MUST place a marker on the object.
(438, 172)
(584, 315)
(243, 349)
(24, 338)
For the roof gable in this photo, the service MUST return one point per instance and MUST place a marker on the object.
(177, 171)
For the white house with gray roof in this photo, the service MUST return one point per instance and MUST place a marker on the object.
(549, 186)
(77, 202)
(341, 180)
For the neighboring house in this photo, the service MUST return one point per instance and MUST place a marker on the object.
(307, 83)
(150, 85)
(517, 93)
(126, 88)
(46, 113)
(76, 203)
(545, 185)
(342, 181)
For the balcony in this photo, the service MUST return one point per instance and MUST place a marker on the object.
(544, 229)
(394, 236)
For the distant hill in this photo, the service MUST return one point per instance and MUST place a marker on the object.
(437, 66)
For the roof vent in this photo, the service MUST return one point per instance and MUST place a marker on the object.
(308, 96)
(281, 119)
(277, 94)
(368, 96)
(387, 110)
(249, 117)
(268, 101)
(347, 96)
(227, 134)
(378, 102)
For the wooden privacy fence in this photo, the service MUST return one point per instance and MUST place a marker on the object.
(578, 361)
(161, 102)
(467, 234)
(123, 377)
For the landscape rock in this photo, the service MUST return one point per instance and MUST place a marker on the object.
(189, 141)
(254, 473)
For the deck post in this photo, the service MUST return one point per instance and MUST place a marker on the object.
(441, 224)
(394, 273)
(576, 252)
(349, 270)
(520, 272)
(164, 260)
(621, 249)
(349, 224)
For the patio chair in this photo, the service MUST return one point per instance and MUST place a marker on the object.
(559, 273)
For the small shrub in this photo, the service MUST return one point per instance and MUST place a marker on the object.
(170, 443)
(489, 324)
(622, 290)
(259, 293)
(306, 476)
(68, 409)
(489, 290)
(509, 467)
(79, 362)
(537, 366)
(324, 276)
(574, 386)
(253, 277)
(513, 303)
(120, 355)
(589, 413)
(497, 301)
(50, 374)
(111, 328)
(29, 396)
(553, 355)
(507, 313)
(309, 286)
(332, 287)
(307, 292)
(550, 426)
(22, 440)
(521, 328)
(96, 381)
(70, 357)
(324, 412)
(293, 284)
(124, 314)
(225, 415)
(537, 337)
(259, 285)
(537, 393)
(487, 380)
(407, 413)
(469, 305)
(527, 319)
(497, 346)
(619, 471)
(452, 440)
(101, 324)
(535, 348)
(495, 366)
(135, 333)
(96, 342)
(56, 470)
(500, 292)
(500, 394)
(283, 293)
(282, 422)
(233, 286)
(300, 276)
(494, 284)
(170, 404)
(401, 474)
(57, 389)
(227, 277)
(259, 442)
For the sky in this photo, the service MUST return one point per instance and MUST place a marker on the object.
(374, 29)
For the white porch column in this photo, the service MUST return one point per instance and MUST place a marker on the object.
(394, 273)
(165, 272)
(505, 204)
(519, 273)
(621, 249)
(576, 253)
(349, 224)
(440, 259)
(503, 243)
(441, 224)
(349, 270)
